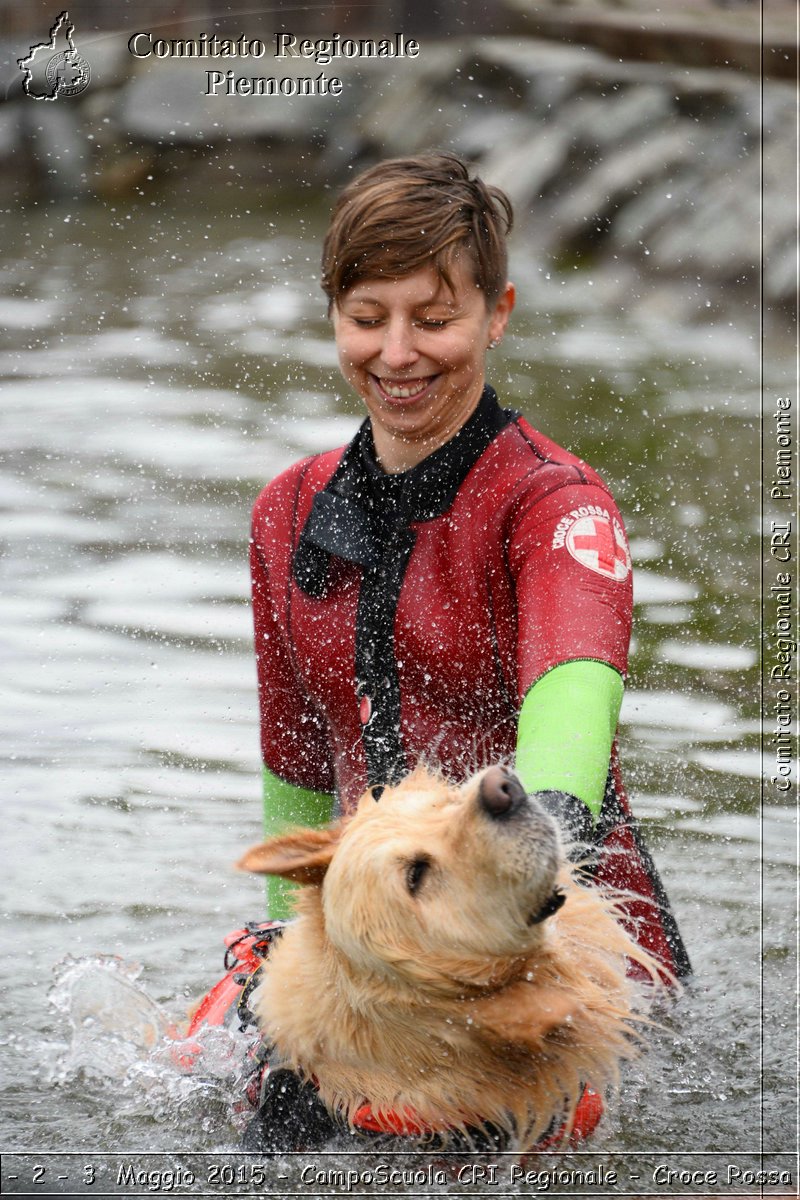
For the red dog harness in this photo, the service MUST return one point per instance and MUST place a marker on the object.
(227, 1004)
(588, 1112)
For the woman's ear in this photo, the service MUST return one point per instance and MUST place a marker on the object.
(302, 855)
(501, 312)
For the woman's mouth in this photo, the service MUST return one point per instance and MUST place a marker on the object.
(408, 389)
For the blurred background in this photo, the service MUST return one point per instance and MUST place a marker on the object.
(164, 351)
(621, 130)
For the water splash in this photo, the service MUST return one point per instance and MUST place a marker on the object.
(112, 1022)
(118, 1037)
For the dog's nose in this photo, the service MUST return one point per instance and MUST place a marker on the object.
(500, 793)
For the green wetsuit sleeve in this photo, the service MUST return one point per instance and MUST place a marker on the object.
(286, 805)
(566, 730)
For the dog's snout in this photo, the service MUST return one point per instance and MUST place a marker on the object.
(500, 793)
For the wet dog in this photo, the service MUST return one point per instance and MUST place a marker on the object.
(446, 967)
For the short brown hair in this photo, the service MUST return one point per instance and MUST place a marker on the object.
(408, 213)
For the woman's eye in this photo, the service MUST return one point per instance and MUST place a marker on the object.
(432, 324)
(415, 873)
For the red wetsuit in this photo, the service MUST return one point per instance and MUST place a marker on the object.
(405, 617)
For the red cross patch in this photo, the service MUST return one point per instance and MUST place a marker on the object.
(599, 543)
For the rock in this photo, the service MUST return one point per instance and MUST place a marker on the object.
(525, 169)
(405, 112)
(483, 130)
(166, 102)
(656, 207)
(583, 216)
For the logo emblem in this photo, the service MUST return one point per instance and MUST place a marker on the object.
(65, 73)
(599, 543)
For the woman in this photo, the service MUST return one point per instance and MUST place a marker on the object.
(452, 586)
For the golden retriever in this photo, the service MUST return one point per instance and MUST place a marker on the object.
(447, 962)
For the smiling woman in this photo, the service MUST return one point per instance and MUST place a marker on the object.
(452, 587)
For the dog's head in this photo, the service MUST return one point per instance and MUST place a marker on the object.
(431, 883)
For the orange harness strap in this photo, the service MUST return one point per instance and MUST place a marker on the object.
(588, 1112)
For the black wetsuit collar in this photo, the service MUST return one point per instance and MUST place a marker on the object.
(349, 517)
(428, 489)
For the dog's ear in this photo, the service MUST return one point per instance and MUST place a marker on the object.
(302, 855)
(523, 1014)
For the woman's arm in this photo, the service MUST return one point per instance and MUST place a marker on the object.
(571, 566)
(566, 729)
(285, 805)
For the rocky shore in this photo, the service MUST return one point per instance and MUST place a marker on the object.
(655, 164)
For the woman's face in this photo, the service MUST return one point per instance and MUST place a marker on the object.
(414, 351)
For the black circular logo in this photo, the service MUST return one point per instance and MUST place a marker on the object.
(68, 73)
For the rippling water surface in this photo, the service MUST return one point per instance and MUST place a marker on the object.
(159, 365)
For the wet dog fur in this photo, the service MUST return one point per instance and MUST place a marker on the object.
(433, 968)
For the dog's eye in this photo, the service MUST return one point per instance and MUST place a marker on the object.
(415, 873)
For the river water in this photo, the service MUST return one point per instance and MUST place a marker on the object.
(159, 364)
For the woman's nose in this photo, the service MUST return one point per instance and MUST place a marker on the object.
(398, 349)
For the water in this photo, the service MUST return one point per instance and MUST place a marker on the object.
(160, 364)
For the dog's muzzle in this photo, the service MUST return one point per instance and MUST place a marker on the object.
(500, 797)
